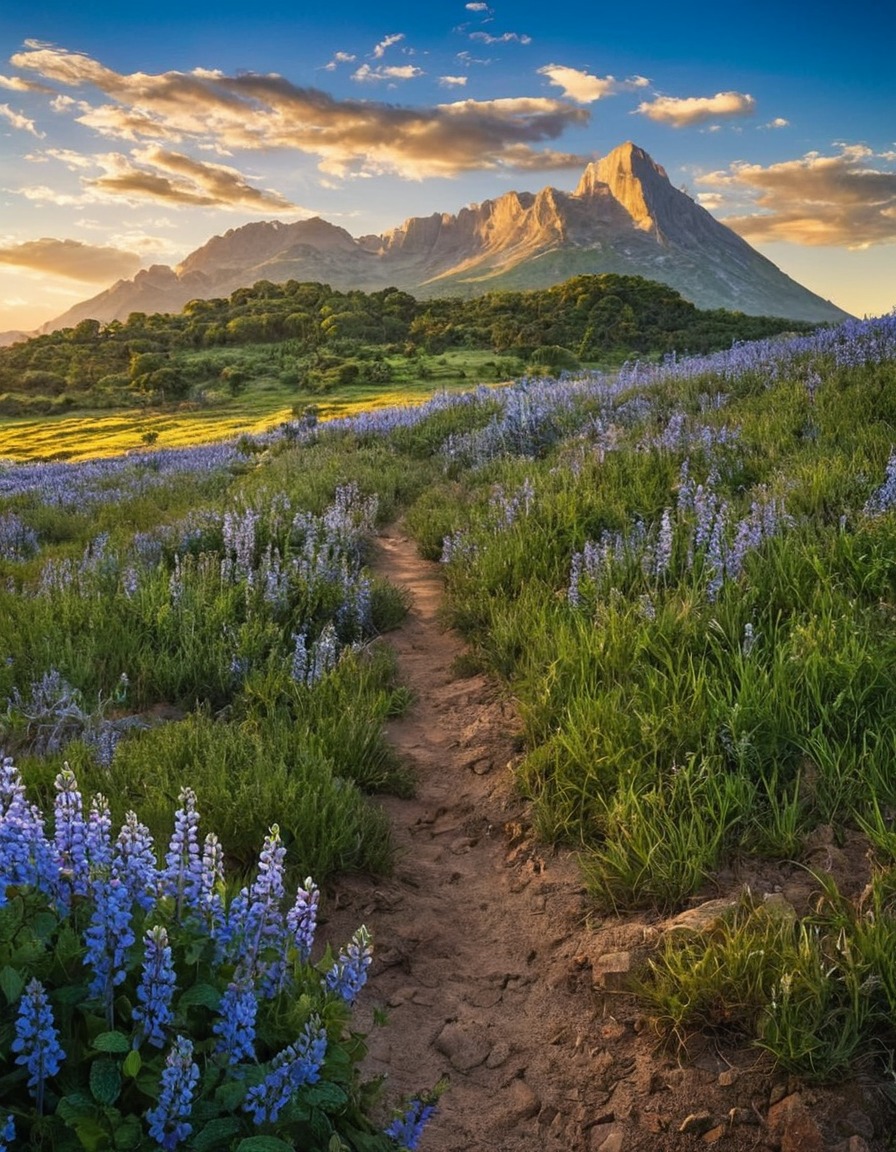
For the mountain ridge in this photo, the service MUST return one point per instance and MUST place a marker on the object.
(623, 216)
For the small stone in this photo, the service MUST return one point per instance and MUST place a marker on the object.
(703, 918)
(613, 1143)
(521, 1101)
(714, 1135)
(727, 1078)
(461, 845)
(743, 1116)
(464, 1045)
(791, 1123)
(499, 1055)
(611, 971)
(697, 1123)
(858, 1144)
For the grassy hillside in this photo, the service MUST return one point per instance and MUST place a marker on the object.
(685, 571)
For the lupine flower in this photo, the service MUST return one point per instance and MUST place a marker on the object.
(26, 856)
(301, 920)
(108, 936)
(263, 925)
(235, 1025)
(99, 836)
(182, 875)
(70, 836)
(134, 862)
(212, 875)
(168, 1124)
(406, 1130)
(7, 1133)
(664, 545)
(295, 1066)
(349, 972)
(36, 1042)
(156, 988)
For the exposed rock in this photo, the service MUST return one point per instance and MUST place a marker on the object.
(464, 1044)
(611, 971)
(703, 918)
(697, 1123)
(792, 1125)
(624, 217)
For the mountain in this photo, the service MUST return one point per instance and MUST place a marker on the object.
(624, 216)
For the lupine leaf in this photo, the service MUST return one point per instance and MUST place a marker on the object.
(112, 1042)
(216, 1130)
(204, 994)
(11, 983)
(132, 1063)
(324, 1095)
(263, 1144)
(105, 1081)
(128, 1134)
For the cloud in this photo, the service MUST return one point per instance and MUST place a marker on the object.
(452, 81)
(17, 84)
(17, 120)
(845, 200)
(380, 49)
(478, 6)
(778, 122)
(682, 113)
(72, 259)
(339, 58)
(585, 88)
(505, 38)
(384, 72)
(348, 137)
(174, 178)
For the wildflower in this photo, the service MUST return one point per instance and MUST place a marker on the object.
(7, 1132)
(295, 1066)
(212, 875)
(235, 1026)
(263, 926)
(70, 837)
(156, 988)
(406, 1130)
(26, 856)
(134, 862)
(99, 836)
(37, 1041)
(182, 875)
(349, 972)
(301, 920)
(664, 545)
(108, 937)
(168, 1124)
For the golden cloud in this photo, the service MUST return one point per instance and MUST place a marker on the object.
(72, 259)
(265, 112)
(838, 200)
(17, 120)
(688, 110)
(585, 88)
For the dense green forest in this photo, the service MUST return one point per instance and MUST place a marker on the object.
(327, 338)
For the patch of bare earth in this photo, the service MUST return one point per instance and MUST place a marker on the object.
(495, 972)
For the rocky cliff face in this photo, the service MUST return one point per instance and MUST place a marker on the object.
(624, 216)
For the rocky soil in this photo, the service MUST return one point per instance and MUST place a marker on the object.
(496, 972)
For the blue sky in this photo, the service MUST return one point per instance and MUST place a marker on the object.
(130, 136)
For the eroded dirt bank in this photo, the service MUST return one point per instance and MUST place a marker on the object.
(494, 970)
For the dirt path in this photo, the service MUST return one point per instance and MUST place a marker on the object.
(492, 972)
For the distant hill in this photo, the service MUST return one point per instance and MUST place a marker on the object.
(624, 217)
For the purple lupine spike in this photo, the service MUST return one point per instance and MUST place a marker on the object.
(99, 836)
(212, 878)
(7, 1132)
(263, 929)
(348, 974)
(108, 937)
(156, 988)
(134, 862)
(407, 1130)
(70, 836)
(36, 1042)
(168, 1121)
(663, 557)
(182, 875)
(26, 856)
(235, 1026)
(301, 920)
(295, 1066)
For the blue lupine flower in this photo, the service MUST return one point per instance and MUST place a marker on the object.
(7, 1133)
(99, 836)
(134, 862)
(156, 988)
(37, 1041)
(301, 920)
(406, 1130)
(296, 1065)
(263, 925)
(26, 856)
(211, 901)
(182, 876)
(108, 936)
(70, 836)
(349, 972)
(236, 1023)
(168, 1124)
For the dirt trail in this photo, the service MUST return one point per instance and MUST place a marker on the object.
(492, 972)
